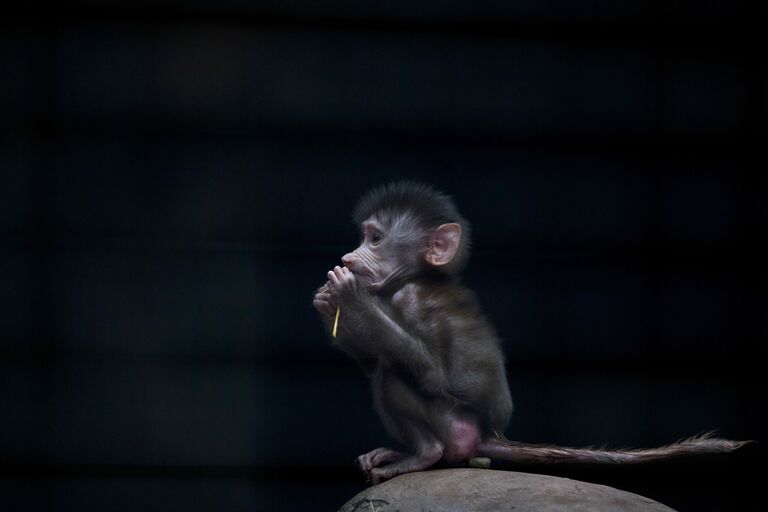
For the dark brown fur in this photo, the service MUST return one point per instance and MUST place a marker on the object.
(434, 360)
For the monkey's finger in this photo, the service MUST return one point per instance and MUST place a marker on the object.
(324, 307)
(332, 279)
(345, 275)
(326, 297)
(337, 270)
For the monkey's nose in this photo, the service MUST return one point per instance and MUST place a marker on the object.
(347, 259)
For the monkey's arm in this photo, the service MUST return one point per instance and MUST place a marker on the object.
(368, 324)
(327, 308)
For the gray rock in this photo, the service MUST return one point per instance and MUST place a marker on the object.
(467, 490)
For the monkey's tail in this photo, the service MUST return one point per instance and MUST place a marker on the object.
(544, 454)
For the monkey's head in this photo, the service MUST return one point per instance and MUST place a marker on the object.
(408, 229)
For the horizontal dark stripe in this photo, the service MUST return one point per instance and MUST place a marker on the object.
(651, 29)
(642, 143)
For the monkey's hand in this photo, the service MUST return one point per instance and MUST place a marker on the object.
(323, 302)
(342, 285)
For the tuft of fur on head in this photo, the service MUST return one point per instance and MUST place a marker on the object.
(428, 207)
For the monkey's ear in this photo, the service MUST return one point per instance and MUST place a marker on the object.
(444, 244)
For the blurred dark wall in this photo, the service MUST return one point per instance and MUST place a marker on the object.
(178, 176)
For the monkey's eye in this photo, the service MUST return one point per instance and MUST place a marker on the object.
(376, 238)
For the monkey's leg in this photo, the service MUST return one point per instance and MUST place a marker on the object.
(377, 457)
(403, 411)
(425, 457)
(461, 439)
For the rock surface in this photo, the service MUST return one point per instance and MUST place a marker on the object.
(468, 490)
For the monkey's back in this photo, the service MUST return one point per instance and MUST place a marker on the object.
(448, 318)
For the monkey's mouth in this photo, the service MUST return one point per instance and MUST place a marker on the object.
(361, 275)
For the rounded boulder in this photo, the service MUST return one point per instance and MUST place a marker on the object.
(468, 490)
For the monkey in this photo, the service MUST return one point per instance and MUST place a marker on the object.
(434, 360)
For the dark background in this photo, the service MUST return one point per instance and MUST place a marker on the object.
(178, 176)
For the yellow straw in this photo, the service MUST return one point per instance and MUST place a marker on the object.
(336, 322)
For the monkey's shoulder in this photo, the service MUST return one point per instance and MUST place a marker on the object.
(440, 310)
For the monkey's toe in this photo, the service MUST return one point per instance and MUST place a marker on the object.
(364, 463)
(377, 457)
(379, 475)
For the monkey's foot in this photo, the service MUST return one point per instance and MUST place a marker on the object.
(377, 457)
(418, 462)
